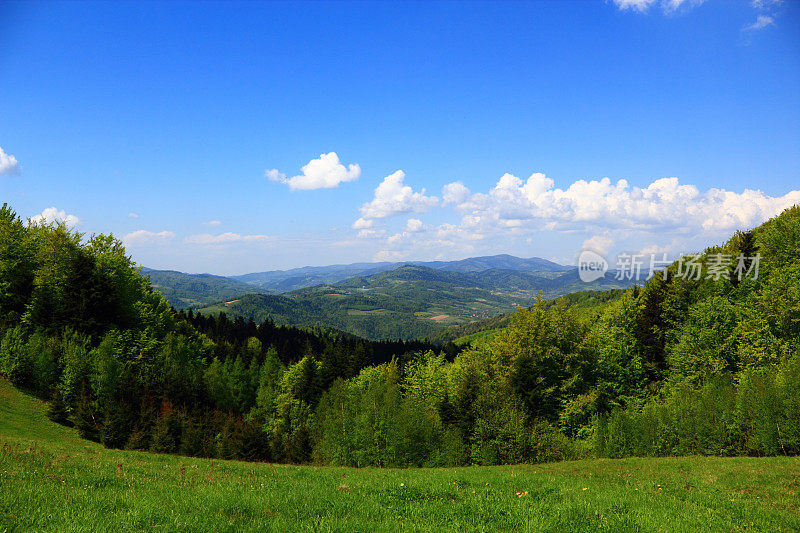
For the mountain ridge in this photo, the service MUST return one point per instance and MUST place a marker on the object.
(185, 290)
(410, 301)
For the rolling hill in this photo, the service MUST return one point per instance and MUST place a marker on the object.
(189, 291)
(185, 291)
(51, 476)
(410, 301)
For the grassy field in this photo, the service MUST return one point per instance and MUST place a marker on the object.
(52, 480)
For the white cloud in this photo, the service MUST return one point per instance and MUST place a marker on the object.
(363, 223)
(392, 197)
(274, 175)
(141, 237)
(598, 243)
(323, 173)
(212, 223)
(598, 213)
(8, 163)
(52, 215)
(390, 255)
(133, 215)
(414, 224)
(226, 238)
(454, 193)
(761, 22)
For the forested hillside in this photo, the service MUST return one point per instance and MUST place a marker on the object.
(82, 328)
(677, 366)
(188, 291)
(414, 301)
(587, 302)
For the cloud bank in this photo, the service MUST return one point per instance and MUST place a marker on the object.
(665, 203)
(603, 210)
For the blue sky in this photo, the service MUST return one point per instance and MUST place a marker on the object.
(163, 123)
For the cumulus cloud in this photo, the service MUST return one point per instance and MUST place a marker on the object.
(212, 223)
(601, 214)
(363, 223)
(8, 163)
(414, 224)
(665, 203)
(454, 193)
(52, 215)
(326, 172)
(226, 238)
(393, 197)
(142, 237)
(761, 22)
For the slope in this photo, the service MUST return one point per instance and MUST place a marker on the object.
(52, 480)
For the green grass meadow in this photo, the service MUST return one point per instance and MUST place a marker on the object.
(50, 479)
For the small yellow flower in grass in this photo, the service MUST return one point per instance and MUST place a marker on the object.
(402, 484)
(487, 484)
(584, 488)
(473, 492)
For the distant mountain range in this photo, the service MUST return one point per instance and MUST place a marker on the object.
(380, 300)
(195, 290)
(280, 281)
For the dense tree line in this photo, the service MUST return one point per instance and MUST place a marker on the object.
(675, 366)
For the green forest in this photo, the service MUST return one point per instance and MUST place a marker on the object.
(674, 366)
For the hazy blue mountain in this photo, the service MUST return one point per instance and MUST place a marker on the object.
(280, 281)
(500, 262)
